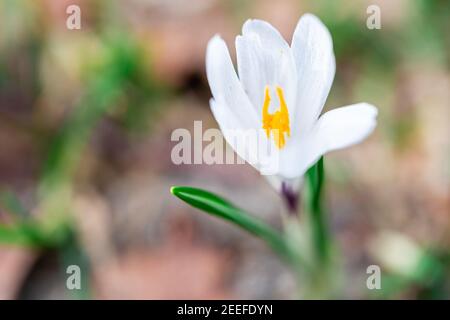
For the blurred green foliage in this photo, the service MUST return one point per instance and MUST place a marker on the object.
(120, 79)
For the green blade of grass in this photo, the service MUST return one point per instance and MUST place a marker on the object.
(21, 234)
(31, 234)
(219, 207)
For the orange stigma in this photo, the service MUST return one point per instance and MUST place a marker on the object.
(276, 123)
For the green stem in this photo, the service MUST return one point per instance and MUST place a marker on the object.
(321, 284)
(320, 233)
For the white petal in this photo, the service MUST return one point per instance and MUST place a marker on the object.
(295, 160)
(255, 150)
(230, 105)
(227, 122)
(336, 129)
(265, 58)
(312, 48)
(345, 126)
(225, 86)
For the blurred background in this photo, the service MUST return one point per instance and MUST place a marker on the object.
(85, 123)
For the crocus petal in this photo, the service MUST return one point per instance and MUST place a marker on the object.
(227, 122)
(336, 129)
(265, 58)
(345, 126)
(295, 160)
(253, 149)
(225, 86)
(312, 48)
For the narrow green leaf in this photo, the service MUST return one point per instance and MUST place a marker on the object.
(315, 177)
(21, 234)
(219, 207)
(31, 234)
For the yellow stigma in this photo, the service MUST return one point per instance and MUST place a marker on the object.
(276, 123)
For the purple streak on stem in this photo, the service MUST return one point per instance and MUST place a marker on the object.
(290, 197)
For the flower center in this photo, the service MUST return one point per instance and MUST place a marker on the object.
(276, 123)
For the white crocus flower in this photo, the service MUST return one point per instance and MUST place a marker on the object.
(281, 90)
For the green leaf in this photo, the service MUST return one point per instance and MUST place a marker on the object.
(219, 207)
(21, 234)
(32, 234)
(315, 177)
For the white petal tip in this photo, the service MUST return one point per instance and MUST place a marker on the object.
(311, 19)
(249, 22)
(257, 26)
(311, 16)
(311, 23)
(369, 109)
(215, 39)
